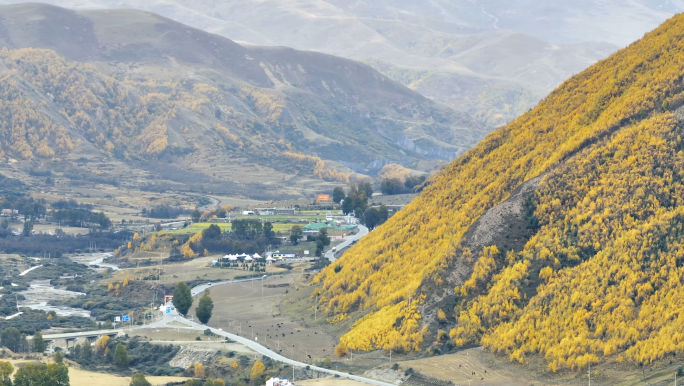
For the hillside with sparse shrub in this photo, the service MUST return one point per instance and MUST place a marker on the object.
(130, 98)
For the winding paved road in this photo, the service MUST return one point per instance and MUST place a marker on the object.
(196, 291)
(174, 316)
(347, 241)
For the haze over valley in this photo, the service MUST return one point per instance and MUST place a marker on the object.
(177, 95)
(491, 59)
(325, 192)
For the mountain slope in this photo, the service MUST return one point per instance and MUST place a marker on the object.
(154, 89)
(558, 235)
(495, 59)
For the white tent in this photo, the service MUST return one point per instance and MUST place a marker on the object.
(232, 257)
(248, 258)
(256, 256)
(270, 259)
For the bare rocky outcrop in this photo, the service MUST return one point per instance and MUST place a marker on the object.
(490, 229)
(189, 355)
(494, 221)
(386, 375)
(679, 114)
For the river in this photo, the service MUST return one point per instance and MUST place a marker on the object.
(40, 292)
(95, 259)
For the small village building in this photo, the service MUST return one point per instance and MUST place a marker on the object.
(276, 211)
(285, 255)
(279, 382)
(9, 212)
(230, 257)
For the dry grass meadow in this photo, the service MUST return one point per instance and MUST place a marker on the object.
(79, 377)
(240, 309)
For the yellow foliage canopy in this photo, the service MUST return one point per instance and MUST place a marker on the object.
(101, 344)
(199, 370)
(319, 168)
(609, 209)
(257, 371)
(394, 171)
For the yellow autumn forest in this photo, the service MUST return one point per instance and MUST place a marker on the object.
(601, 276)
(52, 106)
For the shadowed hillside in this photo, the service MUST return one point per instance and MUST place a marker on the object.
(143, 88)
(491, 59)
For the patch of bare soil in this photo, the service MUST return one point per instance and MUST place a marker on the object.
(188, 355)
(495, 221)
(386, 375)
(281, 285)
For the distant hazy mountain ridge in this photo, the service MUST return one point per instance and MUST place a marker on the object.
(132, 85)
(492, 59)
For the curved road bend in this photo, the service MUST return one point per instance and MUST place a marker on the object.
(174, 316)
(347, 242)
(200, 288)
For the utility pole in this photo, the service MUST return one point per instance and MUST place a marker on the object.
(316, 309)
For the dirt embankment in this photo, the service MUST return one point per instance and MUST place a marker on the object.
(188, 355)
(495, 222)
(386, 375)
